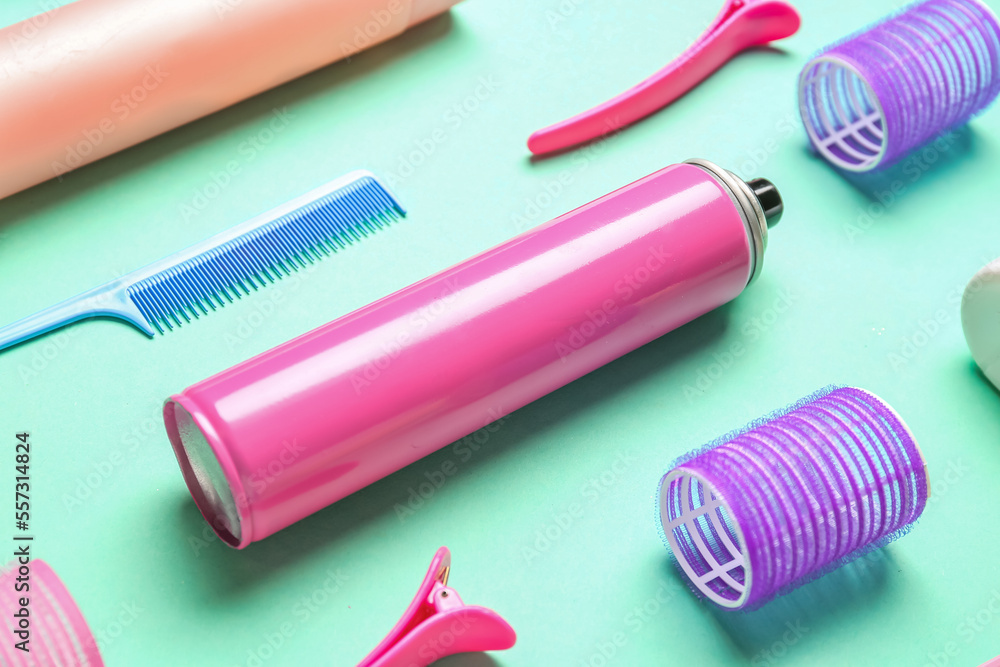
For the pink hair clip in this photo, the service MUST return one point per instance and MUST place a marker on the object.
(740, 25)
(438, 624)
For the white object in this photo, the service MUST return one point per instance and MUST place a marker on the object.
(981, 319)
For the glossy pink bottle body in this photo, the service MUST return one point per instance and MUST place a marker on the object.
(371, 392)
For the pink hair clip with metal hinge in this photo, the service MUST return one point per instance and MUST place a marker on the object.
(740, 25)
(438, 624)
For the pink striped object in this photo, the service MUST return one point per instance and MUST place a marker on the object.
(57, 634)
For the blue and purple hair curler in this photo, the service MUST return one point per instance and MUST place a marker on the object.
(792, 496)
(870, 99)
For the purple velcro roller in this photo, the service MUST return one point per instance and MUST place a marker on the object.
(871, 98)
(791, 497)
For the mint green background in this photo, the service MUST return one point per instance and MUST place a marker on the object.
(852, 290)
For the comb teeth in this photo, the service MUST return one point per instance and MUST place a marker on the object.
(219, 275)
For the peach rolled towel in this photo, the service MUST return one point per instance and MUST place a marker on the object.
(93, 77)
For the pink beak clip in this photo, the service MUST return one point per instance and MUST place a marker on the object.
(740, 25)
(438, 624)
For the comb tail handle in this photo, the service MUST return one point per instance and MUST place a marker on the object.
(108, 300)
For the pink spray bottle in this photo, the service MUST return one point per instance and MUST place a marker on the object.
(373, 391)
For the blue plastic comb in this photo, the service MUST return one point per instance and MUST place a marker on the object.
(206, 276)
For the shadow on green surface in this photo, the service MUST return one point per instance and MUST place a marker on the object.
(924, 167)
(770, 632)
(977, 372)
(222, 571)
(30, 202)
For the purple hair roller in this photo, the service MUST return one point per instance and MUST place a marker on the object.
(870, 99)
(792, 496)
